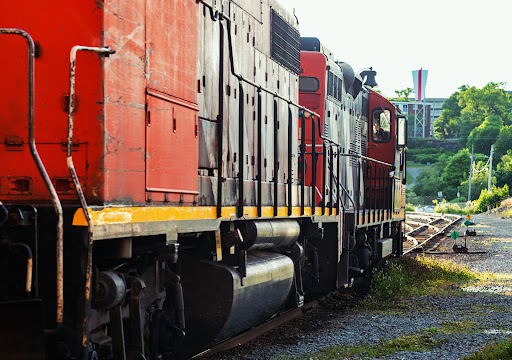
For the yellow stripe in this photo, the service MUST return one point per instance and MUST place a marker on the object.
(130, 215)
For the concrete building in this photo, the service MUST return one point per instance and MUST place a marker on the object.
(433, 109)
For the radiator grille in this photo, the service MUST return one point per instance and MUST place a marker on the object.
(285, 43)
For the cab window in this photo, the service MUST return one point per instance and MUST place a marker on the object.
(381, 125)
(308, 84)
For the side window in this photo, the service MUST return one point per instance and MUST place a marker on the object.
(381, 125)
(308, 84)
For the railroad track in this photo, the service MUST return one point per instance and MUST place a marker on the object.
(421, 228)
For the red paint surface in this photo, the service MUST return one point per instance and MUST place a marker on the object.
(314, 64)
(156, 44)
(384, 152)
(56, 29)
(419, 86)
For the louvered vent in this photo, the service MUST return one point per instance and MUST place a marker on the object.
(364, 120)
(355, 143)
(326, 130)
(284, 43)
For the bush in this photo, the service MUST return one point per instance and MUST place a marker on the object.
(426, 155)
(491, 198)
(502, 349)
(447, 208)
(412, 277)
(410, 207)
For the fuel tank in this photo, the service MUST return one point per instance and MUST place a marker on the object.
(219, 303)
(260, 235)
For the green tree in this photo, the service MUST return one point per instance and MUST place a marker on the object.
(504, 170)
(504, 142)
(447, 125)
(428, 182)
(455, 172)
(479, 182)
(478, 104)
(484, 135)
(403, 95)
(491, 197)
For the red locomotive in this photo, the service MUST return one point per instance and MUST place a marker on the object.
(173, 173)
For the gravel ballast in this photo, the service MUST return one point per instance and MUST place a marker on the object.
(483, 313)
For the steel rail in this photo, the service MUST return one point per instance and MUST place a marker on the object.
(449, 219)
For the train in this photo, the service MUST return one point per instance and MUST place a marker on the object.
(173, 173)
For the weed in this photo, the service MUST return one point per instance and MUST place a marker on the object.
(410, 207)
(415, 342)
(417, 276)
(500, 350)
(458, 327)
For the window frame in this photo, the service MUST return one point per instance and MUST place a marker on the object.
(309, 77)
(381, 110)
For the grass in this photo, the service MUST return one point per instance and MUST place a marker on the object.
(410, 207)
(455, 327)
(507, 213)
(448, 208)
(415, 342)
(431, 276)
(501, 350)
(401, 286)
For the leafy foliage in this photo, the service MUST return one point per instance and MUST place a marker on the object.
(429, 274)
(485, 135)
(467, 108)
(504, 142)
(456, 170)
(403, 95)
(478, 118)
(479, 182)
(489, 198)
(447, 125)
(426, 155)
(478, 104)
(447, 208)
(499, 350)
(505, 170)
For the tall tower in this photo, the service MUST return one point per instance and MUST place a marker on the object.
(419, 78)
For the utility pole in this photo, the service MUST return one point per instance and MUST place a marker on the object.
(471, 171)
(490, 169)
(490, 172)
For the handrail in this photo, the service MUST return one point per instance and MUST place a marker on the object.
(46, 179)
(88, 274)
(6, 214)
(217, 15)
(355, 155)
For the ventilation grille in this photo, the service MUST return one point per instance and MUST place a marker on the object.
(364, 113)
(355, 143)
(285, 43)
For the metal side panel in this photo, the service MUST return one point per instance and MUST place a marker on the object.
(385, 247)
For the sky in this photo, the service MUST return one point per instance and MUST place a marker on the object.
(459, 42)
